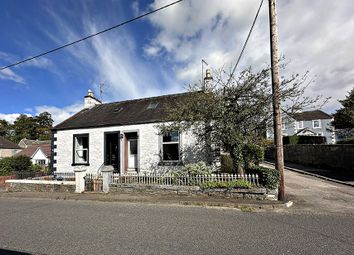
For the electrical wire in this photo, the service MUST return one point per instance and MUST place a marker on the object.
(245, 44)
(90, 36)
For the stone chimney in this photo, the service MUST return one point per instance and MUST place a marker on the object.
(207, 79)
(90, 101)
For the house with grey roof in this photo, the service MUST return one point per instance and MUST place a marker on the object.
(123, 134)
(308, 123)
(8, 148)
(39, 153)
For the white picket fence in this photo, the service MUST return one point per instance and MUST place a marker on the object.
(186, 180)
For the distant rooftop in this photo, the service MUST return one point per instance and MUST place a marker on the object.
(6, 144)
(311, 115)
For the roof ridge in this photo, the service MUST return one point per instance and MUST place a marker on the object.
(149, 98)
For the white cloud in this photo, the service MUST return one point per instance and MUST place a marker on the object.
(112, 58)
(59, 114)
(8, 74)
(11, 117)
(314, 35)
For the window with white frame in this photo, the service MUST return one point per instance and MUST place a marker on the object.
(81, 149)
(300, 124)
(316, 123)
(40, 162)
(171, 146)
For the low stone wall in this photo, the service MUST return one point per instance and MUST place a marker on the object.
(39, 186)
(320, 155)
(3, 179)
(253, 193)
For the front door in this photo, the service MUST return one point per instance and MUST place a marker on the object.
(112, 150)
(132, 153)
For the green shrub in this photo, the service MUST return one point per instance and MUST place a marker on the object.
(37, 168)
(226, 164)
(226, 185)
(268, 177)
(252, 154)
(303, 139)
(194, 169)
(15, 164)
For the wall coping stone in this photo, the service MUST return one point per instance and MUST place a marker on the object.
(44, 182)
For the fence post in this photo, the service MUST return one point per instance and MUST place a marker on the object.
(107, 174)
(80, 174)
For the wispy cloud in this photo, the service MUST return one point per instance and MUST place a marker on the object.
(9, 74)
(59, 114)
(112, 58)
(315, 36)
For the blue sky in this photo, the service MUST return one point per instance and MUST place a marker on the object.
(160, 54)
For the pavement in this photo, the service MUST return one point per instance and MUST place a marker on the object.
(311, 194)
(46, 226)
(335, 175)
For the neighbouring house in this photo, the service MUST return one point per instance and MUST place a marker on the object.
(123, 134)
(24, 143)
(40, 153)
(8, 148)
(308, 123)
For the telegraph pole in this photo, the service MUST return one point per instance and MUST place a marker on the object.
(278, 136)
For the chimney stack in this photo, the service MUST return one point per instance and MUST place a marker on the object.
(208, 78)
(90, 100)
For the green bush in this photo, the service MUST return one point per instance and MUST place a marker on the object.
(15, 164)
(226, 164)
(303, 139)
(194, 169)
(252, 154)
(226, 185)
(268, 177)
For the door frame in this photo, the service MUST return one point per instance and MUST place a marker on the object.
(124, 151)
(119, 147)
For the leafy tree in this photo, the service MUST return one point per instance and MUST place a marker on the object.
(234, 112)
(4, 128)
(344, 117)
(24, 126)
(45, 123)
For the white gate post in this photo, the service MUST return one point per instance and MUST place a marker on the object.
(107, 175)
(80, 174)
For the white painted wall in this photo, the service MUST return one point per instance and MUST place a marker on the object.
(39, 155)
(148, 147)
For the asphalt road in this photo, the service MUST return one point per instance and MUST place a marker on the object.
(40, 226)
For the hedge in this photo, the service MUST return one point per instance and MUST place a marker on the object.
(268, 177)
(303, 139)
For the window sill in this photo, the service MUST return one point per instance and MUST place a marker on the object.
(80, 164)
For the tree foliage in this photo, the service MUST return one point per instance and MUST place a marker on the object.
(36, 128)
(233, 112)
(344, 117)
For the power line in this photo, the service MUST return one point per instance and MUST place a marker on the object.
(245, 44)
(90, 36)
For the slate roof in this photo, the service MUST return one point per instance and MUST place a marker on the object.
(27, 142)
(30, 150)
(137, 111)
(311, 115)
(6, 144)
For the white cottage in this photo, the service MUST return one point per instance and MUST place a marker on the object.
(122, 134)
